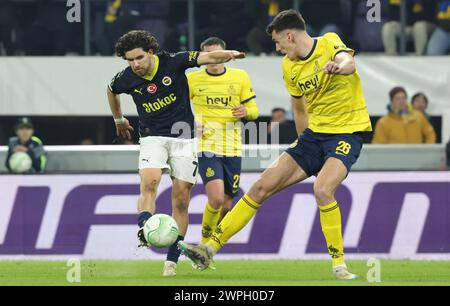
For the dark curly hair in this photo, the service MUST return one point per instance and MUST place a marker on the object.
(136, 39)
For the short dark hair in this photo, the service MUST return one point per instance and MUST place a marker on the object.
(289, 19)
(136, 39)
(419, 94)
(212, 41)
(396, 90)
(278, 109)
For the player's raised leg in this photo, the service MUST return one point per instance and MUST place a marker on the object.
(284, 172)
(150, 179)
(330, 177)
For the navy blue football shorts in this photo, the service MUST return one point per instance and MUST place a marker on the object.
(311, 150)
(225, 168)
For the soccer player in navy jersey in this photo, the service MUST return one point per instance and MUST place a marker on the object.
(157, 82)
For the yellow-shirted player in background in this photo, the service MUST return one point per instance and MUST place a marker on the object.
(221, 98)
(330, 113)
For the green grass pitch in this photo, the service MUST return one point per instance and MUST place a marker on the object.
(228, 272)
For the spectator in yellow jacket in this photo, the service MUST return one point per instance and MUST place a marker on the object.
(403, 124)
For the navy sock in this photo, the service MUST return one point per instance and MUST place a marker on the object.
(174, 252)
(143, 216)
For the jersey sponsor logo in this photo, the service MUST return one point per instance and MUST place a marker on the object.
(167, 80)
(309, 84)
(210, 172)
(159, 103)
(215, 101)
(152, 88)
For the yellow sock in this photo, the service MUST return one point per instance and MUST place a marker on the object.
(209, 222)
(330, 219)
(233, 222)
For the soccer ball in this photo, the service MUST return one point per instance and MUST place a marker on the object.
(20, 162)
(161, 230)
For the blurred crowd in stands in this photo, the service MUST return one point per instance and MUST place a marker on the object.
(40, 27)
(405, 122)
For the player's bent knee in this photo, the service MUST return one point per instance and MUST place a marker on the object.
(259, 191)
(323, 194)
(149, 186)
(217, 201)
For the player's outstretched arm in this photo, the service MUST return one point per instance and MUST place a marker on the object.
(218, 56)
(343, 63)
(123, 127)
(300, 113)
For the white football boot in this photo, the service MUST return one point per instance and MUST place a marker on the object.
(170, 269)
(341, 272)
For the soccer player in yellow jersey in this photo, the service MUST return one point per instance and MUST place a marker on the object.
(221, 98)
(330, 113)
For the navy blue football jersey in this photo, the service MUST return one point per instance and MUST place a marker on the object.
(162, 100)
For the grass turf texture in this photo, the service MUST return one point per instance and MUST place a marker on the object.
(233, 273)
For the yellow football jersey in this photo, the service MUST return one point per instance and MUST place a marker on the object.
(213, 98)
(335, 103)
